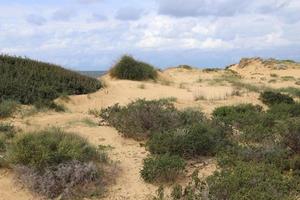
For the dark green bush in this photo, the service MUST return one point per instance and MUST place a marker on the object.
(142, 118)
(129, 68)
(250, 181)
(28, 81)
(283, 111)
(199, 139)
(7, 108)
(253, 124)
(271, 98)
(48, 148)
(162, 168)
(237, 116)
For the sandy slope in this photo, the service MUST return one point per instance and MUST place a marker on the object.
(182, 84)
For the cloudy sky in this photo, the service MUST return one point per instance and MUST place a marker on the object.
(93, 34)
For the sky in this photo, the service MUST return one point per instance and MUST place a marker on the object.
(94, 34)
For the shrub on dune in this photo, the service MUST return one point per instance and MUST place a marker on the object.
(131, 69)
(7, 108)
(271, 98)
(54, 164)
(162, 168)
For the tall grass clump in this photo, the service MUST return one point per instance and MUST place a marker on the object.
(7, 108)
(54, 164)
(28, 81)
(131, 69)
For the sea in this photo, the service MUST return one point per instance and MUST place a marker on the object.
(93, 74)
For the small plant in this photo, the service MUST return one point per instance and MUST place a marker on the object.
(274, 75)
(162, 168)
(129, 68)
(288, 78)
(7, 108)
(142, 86)
(271, 98)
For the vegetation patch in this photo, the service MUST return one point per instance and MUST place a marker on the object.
(271, 98)
(49, 147)
(142, 118)
(131, 69)
(189, 142)
(33, 82)
(54, 164)
(162, 168)
(250, 181)
(7, 108)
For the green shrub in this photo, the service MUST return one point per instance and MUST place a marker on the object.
(28, 81)
(141, 118)
(290, 132)
(48, 148)
(273, 154)
(254, 125)
(237, 116)
(7, 130)
(129, 68)
(271, 98)
(250, 181)
(7, 108)
(284, 111)
(162, 168)
(199, 139)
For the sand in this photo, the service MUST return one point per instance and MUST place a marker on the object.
(191, 88)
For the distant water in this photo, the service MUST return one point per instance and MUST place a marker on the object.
(93, 74)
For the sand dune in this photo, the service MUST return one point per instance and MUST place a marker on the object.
(191, 88)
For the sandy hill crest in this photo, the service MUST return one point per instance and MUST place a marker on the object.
(260, 63)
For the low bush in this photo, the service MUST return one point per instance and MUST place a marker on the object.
(68, 180)
(250, 181)
(48, 148)
(162, 168)
(237, 116)
(275, 155)
(142, 118)
(283, 111)
(290, 132)
(56, 164)
(271, 98)
(7, 108)
(129, 68)
(199, 139)
(7, 132)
